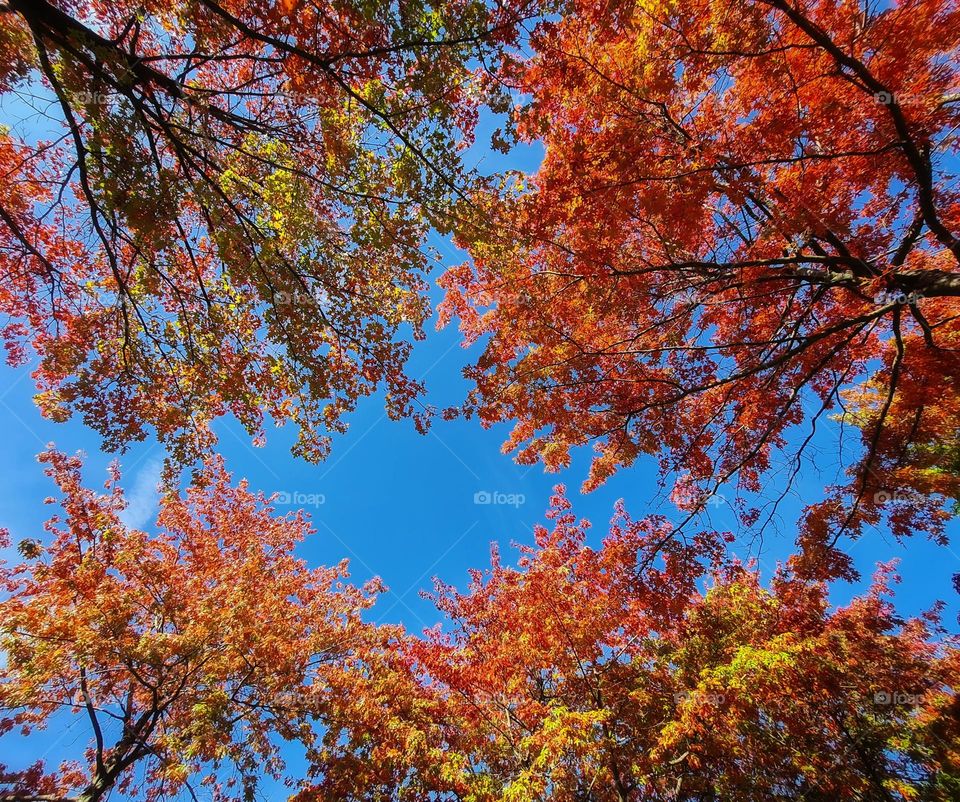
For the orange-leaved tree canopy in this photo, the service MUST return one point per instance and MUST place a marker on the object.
(189, 655)
(746, 217)
(219, 207)
(649, 669)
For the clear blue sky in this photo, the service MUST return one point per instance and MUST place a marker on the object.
(402, 505)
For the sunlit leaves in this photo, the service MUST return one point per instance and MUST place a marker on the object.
(232, 215)
(744, 210)
(209, 642)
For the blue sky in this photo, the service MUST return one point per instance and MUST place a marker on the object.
(403, 506)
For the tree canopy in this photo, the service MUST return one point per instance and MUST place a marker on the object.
(193, 653)
(745, 225)
(645, 669)
(746, 218)
(228, 213)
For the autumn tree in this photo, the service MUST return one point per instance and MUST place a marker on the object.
(220, 207)
(650, 667)
(746, 218)
(191, 655)
(653, 669)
